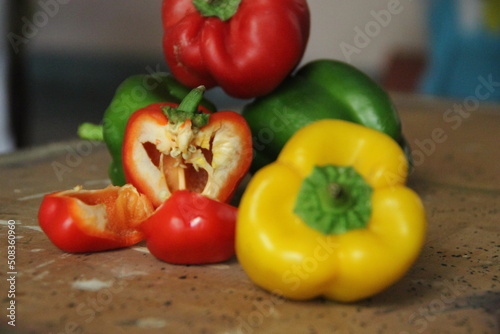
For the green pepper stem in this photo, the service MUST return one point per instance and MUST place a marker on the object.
(91, 131)
(334, 200)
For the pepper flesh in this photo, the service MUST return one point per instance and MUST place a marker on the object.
(283, 254)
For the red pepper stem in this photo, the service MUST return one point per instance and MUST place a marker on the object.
(191, 102)
(223, 9)
(188, 109)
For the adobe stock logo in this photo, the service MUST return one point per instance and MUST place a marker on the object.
(453, 118)
(364, 36)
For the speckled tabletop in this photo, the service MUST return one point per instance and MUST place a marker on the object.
(452, 288)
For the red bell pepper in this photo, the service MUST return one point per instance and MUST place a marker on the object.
(94, 220)
(245, 46)
(167, 149)
(190, 228)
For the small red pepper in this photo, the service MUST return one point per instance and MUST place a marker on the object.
(94, 220)
(247, 47)
(190, 228)
(167, 149)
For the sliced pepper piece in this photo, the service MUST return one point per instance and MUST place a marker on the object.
(81, 220)
(189, 228)
(167, 149)
(332, 216)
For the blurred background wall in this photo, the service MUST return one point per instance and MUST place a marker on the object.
(133, 28)
(75, 53)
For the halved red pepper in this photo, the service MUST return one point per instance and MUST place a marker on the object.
(168, 149)
(190, 228)
(81, 220)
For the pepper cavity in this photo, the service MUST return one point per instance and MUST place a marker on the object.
(183, 157)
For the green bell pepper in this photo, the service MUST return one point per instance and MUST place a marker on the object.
(322, 89)
(134, 93)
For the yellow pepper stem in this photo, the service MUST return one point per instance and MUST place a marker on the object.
(334, 200)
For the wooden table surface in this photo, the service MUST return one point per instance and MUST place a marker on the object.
(452, 288)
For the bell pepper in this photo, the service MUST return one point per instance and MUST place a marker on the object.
(81, 220)
(134, 93)
(190, 228)
(167, 149)
(322, 89)
(247, 47)
(332, 216)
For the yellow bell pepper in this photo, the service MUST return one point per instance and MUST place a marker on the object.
(332, 216)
